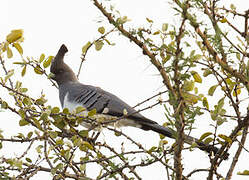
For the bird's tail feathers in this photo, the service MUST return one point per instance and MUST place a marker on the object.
(187, 139)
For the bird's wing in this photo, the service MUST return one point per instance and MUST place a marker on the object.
(104, 102)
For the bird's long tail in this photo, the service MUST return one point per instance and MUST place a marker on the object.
(187, 139)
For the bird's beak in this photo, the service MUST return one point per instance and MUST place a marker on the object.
(51, 76)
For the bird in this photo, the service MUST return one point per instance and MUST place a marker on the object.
(72, 94)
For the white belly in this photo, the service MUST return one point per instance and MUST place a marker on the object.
(98, 117)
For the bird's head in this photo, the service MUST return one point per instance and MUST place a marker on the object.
(61, 72)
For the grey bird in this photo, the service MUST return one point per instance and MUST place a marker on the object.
(72, 94)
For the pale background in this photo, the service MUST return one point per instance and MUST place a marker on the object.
(120, 69)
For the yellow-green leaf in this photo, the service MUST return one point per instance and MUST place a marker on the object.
(88, 145)
(101, 30)
(224, 20)
(53, 134)
(38, 70)
(14, 35)
(98, 45)
(208, 140)
(220, 104)
(156, 33)
(226, 138)
(211, 90)
(92, 112)
(207, 72)
(188, 85)
(85, 47)
(9, 74)
(9, 53)
(18, 48)
(196, 77)
(203, 136)
(47, 62)
(42, 57)
(23, 122)
(65, 111)
(23, 70)
(237, 91)
(205, 102)
(190, 98)
(149, 20)
(117, 133)
(59, 142)
(83, 133)
(55, 110)
(79, 109)
(244, 173)
(165, 27)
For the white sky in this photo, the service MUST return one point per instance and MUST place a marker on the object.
(121, 69)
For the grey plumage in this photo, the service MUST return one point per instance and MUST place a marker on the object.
(72, 92)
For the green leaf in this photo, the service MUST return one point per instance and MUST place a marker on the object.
(196, 77)
(98, 45)
(37, 123)
(208, 140)
(23, 90)
(53, 134)
(117, 133)
(83, 167)
(149, 20)
(65, 111)
(153, 148)
(203, 136)
(38, 149)
(14, 35)
(23, 122)
(55, 110)
(220, 104)
(79, 109)
(28, 160)
(85, 47)
(165, 27)
(27, 101)
(42, 57)
(207, 72)
(205, 102)
(190, 98)
(48, 61)
(18, 164)
(223, 20)
(9, 74)
(18, 48)
(226, 138)
(188, 85)
(41, 101)
(30, 134)
(244, 173)
(156, 33)
(23, 70)
(38, 70)
(101, 30)
(92, 112)
(233, 7)
(21, 113)
(83, 133)
(4, 105)
(44, 116)
(9, 53)
(88, 145)
(197, 57)
(211, 90)
(59, 141)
